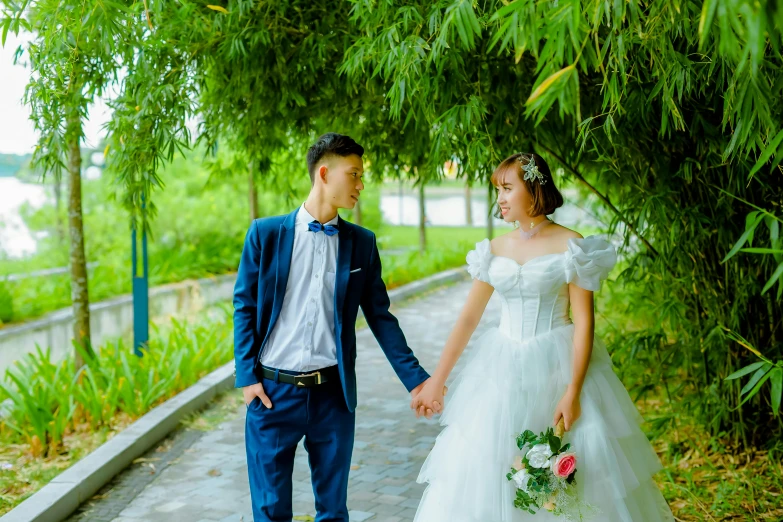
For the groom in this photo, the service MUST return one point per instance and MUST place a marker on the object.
(302, 278)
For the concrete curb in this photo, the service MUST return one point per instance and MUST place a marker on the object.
(428, 283)
(60, 497)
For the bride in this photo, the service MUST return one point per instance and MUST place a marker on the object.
(539, 365)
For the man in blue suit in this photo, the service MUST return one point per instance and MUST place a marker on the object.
(302, 278)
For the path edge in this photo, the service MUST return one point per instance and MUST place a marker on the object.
(67, 491)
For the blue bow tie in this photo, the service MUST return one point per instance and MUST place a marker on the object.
(329, 230)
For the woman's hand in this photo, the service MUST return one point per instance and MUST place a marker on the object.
(430, 399)
(569, 408)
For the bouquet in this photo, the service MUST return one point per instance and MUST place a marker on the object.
(545, 476)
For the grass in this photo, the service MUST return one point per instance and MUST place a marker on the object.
(53, 416)
(394, 237)
(23, 473)
(705, 479)
(212, 255)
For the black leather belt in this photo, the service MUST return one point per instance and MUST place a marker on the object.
(306, 380)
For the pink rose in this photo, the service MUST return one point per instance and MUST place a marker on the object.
(564, 464)
(518, 464)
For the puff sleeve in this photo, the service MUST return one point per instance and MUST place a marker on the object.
(478, 261)
(588, 261)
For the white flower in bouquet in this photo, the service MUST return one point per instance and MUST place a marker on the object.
(538, 456)
(521, 479)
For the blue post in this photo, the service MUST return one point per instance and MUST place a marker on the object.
(141, 307)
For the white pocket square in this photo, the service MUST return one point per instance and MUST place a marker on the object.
(354, 271)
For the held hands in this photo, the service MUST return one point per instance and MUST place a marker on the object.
(569, 408)
(427, 398)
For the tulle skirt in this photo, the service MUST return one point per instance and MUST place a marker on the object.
(508, 386)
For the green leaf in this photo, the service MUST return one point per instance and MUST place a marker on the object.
(750, 227)
(6, 27)
(777, 390)
(768, 152)
(761, 250)
(705, 22)
(761, 372)
(755, 389)
(744, 371)
(775, 276)
(548, 82)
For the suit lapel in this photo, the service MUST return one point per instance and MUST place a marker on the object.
(285, 248)
(344, 251)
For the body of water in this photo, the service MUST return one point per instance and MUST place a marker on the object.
(450, 210)
(439, 210)
(16, 239)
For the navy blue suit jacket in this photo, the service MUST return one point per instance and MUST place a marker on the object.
(260, 288)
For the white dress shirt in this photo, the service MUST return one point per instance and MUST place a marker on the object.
(303, 336)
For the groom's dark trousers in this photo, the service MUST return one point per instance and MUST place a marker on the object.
(324, 414)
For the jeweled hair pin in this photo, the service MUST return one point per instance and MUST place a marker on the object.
(531, 170)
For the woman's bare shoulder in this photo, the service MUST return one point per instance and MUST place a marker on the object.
(500, 242)
(560, 235)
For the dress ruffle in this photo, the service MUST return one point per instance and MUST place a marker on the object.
(478, 261)
(588, 261)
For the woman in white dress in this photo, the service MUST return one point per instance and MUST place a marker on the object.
(538, 365)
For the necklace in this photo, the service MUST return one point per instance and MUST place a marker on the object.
(527, 234)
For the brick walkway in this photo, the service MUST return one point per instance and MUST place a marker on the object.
(203, 477)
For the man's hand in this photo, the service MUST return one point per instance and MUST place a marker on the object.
(256, 390)
(425, 400)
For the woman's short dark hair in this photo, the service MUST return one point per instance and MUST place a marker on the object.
(546, 197)
(331, 143)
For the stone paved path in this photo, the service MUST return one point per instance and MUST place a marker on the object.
(203, 478)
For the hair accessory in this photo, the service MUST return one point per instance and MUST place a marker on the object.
(531, 170)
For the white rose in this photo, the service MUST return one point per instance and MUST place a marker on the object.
(538, 455)
(521, 478)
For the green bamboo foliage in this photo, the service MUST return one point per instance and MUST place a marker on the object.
(665, 111)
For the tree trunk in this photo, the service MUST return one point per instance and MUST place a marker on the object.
(400, 203)
(422, 221)
(58, 201)
(252, 191)
(490, 217)
(468, 209)
(357, 213)
(78, 260)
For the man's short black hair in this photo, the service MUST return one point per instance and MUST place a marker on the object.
(331, 143)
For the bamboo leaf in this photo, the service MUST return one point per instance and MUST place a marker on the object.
(761, 250)
(744, 237)
(776, 390)
(707, 13)
(775, 276)
(546, 84)
(746, 370)
(755, 389)
(768, 152)
(6, 27)
(761, 372)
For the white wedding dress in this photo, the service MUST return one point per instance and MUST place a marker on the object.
(513, 380)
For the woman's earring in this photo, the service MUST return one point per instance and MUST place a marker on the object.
(516, 224)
